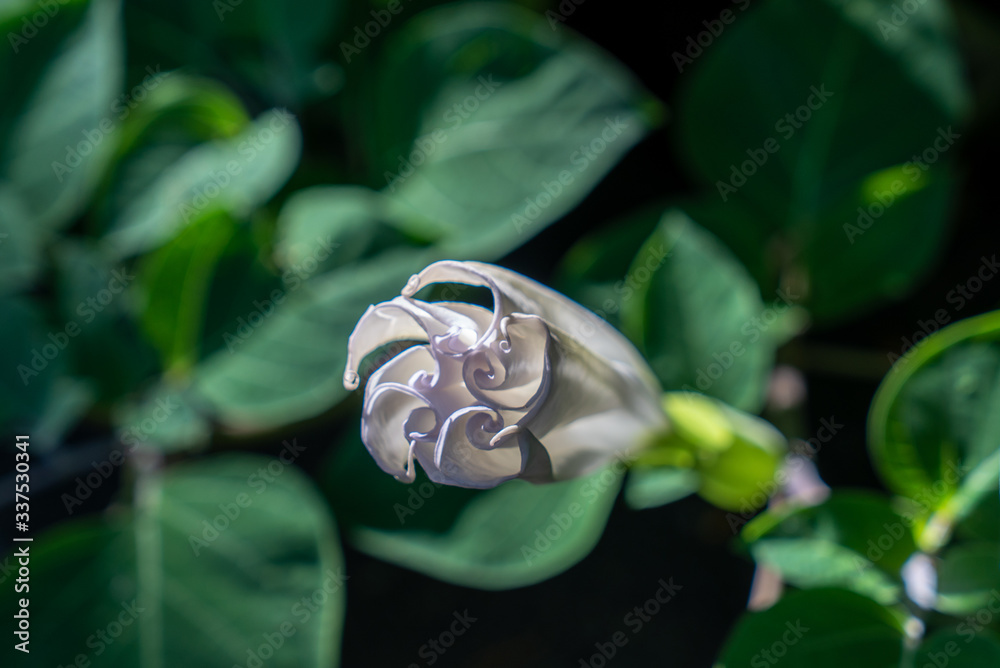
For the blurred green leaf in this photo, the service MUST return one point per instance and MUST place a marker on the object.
(650, 488)
(693, 313)
(273, 46)
(326, 227)
(215, 566)
(934, 423)
(822, 154)
(811, 563)
(511, 536)
(860, 521)
(968, 577)
(30, 362)
(20, 243)
(65, 135)
(491, 125)
(235, 175)
(29, 53)
(595, 271)
(962, 649)
(175, 279)
(97, 303)
(818, 628)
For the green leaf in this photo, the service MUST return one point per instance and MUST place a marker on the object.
(97, 301)
(962, 649)
(968, 577)
(175, 279)
(514, 535)
(65, 135)
(818, 628)
(650, 488)
(492, 125)
(29, 363)
(694, 315)
(20, 243)
(933, 424)
(820, 154)
(206, 571)
(596, 271)
(275, 47)
(812, 563)
(235, 176)
(326, 227)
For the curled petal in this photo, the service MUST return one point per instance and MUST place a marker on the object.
(395, 413)
(464, 455)
(511, 372)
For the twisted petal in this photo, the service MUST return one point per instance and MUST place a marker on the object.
(395, 414)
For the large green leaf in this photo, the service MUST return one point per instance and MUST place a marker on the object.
(697, 315)
(492, 125)
(511, 536)
(233, 175)
(217, 564)
(818, 628)
(66, 132)
(934, 424)
(815, 143)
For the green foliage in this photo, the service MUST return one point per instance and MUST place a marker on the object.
(809, 150)
(212, 561)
